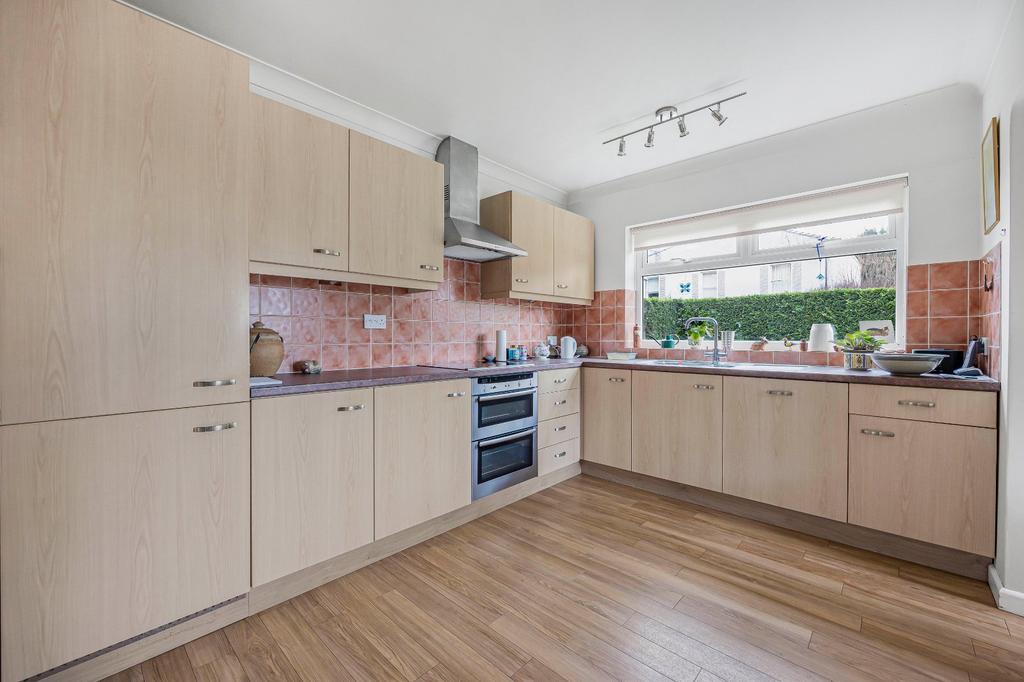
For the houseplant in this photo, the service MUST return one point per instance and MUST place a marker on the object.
(857, 348)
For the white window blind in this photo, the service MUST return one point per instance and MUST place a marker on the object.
(883, 197)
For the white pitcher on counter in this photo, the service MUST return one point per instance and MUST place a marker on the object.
(567, 348)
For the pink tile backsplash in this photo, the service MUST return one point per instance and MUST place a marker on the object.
(323, 320)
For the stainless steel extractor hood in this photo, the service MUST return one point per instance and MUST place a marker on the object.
(464, 238)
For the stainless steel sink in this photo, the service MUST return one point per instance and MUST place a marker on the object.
(707, 363)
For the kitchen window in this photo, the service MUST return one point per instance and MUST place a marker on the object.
(773, 268)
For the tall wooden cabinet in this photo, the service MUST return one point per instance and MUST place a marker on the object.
(298, 187)
(112, 526)
(397, 212)
(606, 409)
(123, 253)
(677, 427)
(786, 444)
(421, 451)
(312, 479)
(559, 266)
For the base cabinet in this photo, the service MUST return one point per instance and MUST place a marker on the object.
(606, 415)
(786, 444)
(421, 452)
(312, 479)
(930, 482)
(677, 427)
(112, 526)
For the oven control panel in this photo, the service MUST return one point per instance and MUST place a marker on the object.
(504, 383)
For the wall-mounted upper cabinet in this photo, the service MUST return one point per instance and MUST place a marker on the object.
(123, 250)
(298, 187)
(397, 212)
(560, 244)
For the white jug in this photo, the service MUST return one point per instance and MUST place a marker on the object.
(822, 337)
(568, 347)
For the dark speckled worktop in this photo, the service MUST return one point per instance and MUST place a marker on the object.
(383, 376)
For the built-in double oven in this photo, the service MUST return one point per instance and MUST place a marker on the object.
(504, 431)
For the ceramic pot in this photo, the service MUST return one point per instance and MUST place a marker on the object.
(266, 351)
(860, 360)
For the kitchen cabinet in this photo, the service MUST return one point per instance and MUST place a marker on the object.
(312, 479)
(559, 244)
(123, 257)
(298, 187)
(558, 456)
(607, 405)
(555, 380)
(677, 427)
(930, 482)
(573, 255)
(557, 404)
(786, 444)
(396, 226)
(422, 465)
(111, 526)
(944, 406)
(558, 430)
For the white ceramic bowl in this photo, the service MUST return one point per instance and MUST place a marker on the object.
(620, 355)
(907, 363)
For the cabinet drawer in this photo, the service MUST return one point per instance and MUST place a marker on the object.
(559, 380)
(557, 456)
(943, 405)
(930, 482)
(553, 405)
(558, 430)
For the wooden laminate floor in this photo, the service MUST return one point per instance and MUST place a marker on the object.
(591, 580)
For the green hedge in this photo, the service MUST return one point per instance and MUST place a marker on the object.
(774, 315)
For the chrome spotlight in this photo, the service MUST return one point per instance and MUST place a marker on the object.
(650, 137)
(716, 114)
(622, 146)
(683, 132)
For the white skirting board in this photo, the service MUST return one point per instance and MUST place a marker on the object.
(1006, 599)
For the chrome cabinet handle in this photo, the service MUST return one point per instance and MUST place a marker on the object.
(214, 382)
(432, 268)
(561, 454)
(783, 393)
(327, 252)
(562, 286)
(502, 396)
(560, 428)
(351, 408)
(560, 381)
(522, 280)
(616, 380)
(704, 387)
(560, 402)
(916, 403)
(505, 439)
(214, 427)
(873, 432)
(457, 394)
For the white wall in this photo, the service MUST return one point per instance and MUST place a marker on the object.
(1004, 98)
(933, 137)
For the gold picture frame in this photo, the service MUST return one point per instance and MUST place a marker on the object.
(990, 177)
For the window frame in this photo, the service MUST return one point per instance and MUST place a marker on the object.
(747, 254)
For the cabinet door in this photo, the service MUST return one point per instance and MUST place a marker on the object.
(312, 479)
(422, 466)
(606, 414)
(786, 444)
(677, 427)
(930, 482)
(298, 187)
(123, 258)
(396, 226)
(532, 231)
(573, 255)
(112, 526)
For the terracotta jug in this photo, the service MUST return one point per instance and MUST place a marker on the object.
(266, 351)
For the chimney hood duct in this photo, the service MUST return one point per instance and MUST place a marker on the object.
(463, 236)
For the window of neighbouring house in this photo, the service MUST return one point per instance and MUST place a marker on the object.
(774, 269)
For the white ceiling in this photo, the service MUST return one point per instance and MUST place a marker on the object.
(537, 85)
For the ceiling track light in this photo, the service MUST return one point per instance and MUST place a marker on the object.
(670, 113)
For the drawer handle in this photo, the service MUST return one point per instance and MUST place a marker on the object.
(327, 252)
(560, 428)
(560, 381)
(522, 280)
(351, 408)
(561, 454)
(457, 394)
(213, 382)
(214, 427)
(873, 432)
(562, 286)
(916, 403)
(560, 402)
(704, 387)
(782, 393)
(616, 380)
(432, 268)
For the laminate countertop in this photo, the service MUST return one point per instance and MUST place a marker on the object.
(384, 376)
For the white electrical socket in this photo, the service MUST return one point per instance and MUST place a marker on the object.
(375, 321)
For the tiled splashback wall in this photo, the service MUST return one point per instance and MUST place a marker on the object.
(323, 321)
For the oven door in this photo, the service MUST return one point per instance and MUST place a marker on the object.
(502, 462)
(501, 413)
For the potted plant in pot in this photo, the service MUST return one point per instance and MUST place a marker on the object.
(857, 348)
(697, 333)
